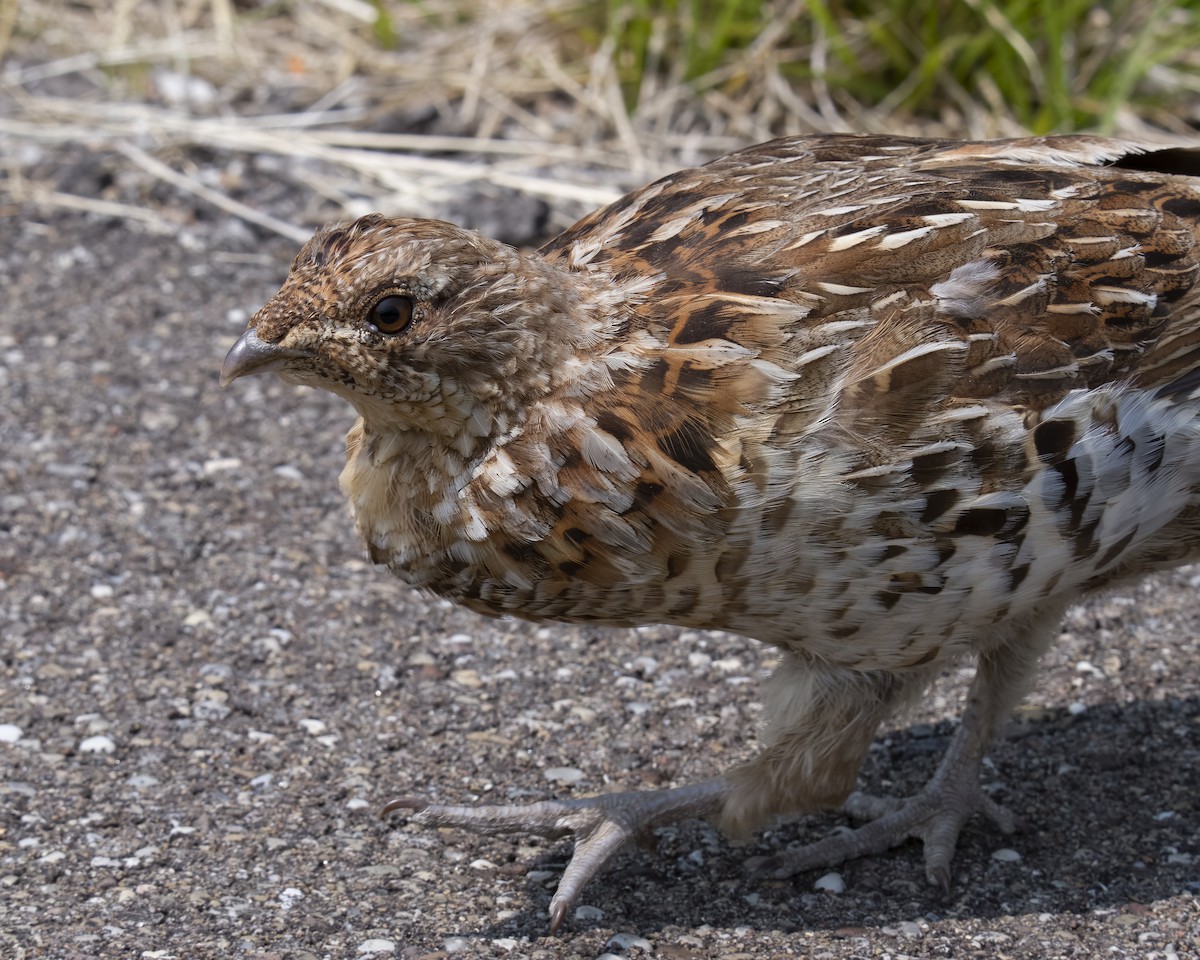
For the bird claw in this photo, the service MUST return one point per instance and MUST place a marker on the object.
(415, 804)
(599, 832)
(934, 816)
(601, 825)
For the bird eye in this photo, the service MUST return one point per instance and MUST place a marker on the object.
(392, 314)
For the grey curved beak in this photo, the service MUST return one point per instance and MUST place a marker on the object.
(252, 355)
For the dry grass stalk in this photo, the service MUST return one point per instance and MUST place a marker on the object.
(520, 103)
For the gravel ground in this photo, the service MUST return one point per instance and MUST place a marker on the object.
(206, 693)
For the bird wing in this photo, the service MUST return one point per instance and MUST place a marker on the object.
(896, 272)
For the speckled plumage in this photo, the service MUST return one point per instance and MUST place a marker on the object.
(876, 401)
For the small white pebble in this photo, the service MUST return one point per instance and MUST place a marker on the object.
(586, 912)
(508, 944)
(456, 944)
(10, 733)
(831, 883)
(647, 666)
(289, 897)
(563, 774)
(357, 803)
(315, 727)
(625, 941)
(102, 591)
(540, 876)
(1077, 708)
(221, 464)
(482, 864)
(1006, 855)
(908, 929)
(377, 946)
(97, 745)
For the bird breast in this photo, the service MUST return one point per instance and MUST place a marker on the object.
(888, 566)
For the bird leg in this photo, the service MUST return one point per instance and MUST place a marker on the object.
(936, 814)
(600, 825)
(820, 721)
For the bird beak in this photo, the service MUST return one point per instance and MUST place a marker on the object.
(254, 355)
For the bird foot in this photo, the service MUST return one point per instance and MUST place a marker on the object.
(600, 825)
(935, 816)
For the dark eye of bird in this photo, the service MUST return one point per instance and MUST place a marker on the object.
(392, 314)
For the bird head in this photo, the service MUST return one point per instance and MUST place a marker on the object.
(415, 322)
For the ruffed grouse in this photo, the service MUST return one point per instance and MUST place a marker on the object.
(879, 402)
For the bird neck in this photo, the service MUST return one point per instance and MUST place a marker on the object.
(432, 482)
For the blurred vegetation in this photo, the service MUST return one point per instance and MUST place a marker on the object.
(643, 79)
(1052, 64)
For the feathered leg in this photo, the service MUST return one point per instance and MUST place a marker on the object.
(820, 721)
